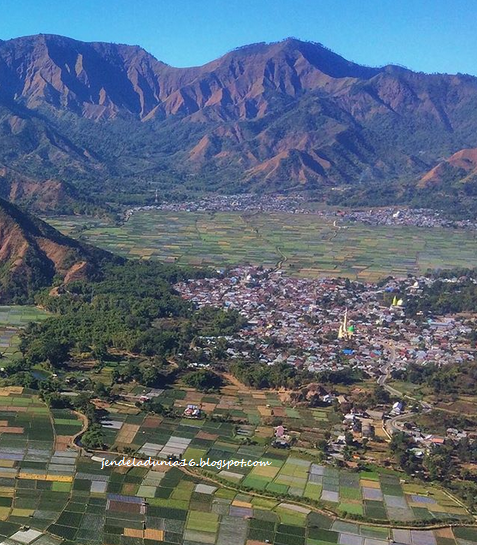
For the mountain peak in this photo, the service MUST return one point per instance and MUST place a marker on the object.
(315, 53)
(93, 79)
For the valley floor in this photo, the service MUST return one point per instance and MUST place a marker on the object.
(301, 244)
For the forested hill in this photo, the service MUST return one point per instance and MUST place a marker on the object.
(34, 255)
(131, 307)
(454, 291)
(109, 120)
(98, 301)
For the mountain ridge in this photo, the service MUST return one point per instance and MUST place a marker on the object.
(111, 119)
(33, 254)
(460, 166)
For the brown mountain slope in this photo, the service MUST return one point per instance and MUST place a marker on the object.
(459, 166)
(100, 80)
(32, 253)
(38, 196)
(93, 80)
(113, 119)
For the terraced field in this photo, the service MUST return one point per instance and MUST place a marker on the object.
(302, 244)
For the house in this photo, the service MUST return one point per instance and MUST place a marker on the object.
(375, 415)
(367, 430)
(397, 408)
(192, 411)
(279, 431)
(281, 442)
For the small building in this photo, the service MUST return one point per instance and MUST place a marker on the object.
(279, 431)
(281, 442)
(367, 430)
(192, 411)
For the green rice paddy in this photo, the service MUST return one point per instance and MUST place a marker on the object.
(302, 244)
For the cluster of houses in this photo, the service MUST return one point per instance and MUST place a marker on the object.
(416, 217)
(335, 324)
(297, 321)
(426, 442)
(245, 202)
(295, 204)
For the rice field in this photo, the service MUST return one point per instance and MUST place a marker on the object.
(185, 510)
(36, 467)
(304, 245)
(376, 495)
(20, 316)
(255, 411)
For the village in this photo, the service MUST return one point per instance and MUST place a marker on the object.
(296, 204)
(297, 321)
(333, 325)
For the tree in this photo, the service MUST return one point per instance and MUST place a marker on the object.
(101, 390)
(381, 396)
(152, 377)
(93, 438)
(349, 439)
(203, 380)
(154, 406)
(322, 445)
(55, 400)
(219, 352)
(47, 349)
(400, 447)
(82, 403)
(100, 352)
(438, 464)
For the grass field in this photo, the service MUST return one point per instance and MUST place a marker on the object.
(303, 244)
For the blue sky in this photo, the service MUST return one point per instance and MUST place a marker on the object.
(427, 35)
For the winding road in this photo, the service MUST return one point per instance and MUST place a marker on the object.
(392, 425)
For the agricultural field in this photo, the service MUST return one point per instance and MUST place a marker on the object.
(36, 466)
(51, 495)
(12, 320)
(253, 411)
(376, 495)
(451, 405)
(301, 244)
(379, 495)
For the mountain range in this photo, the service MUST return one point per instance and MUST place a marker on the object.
(86, 121)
